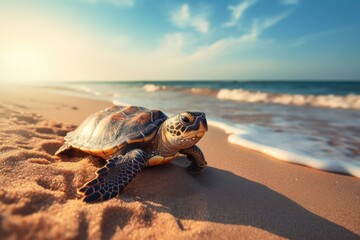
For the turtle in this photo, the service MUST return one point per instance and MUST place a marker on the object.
(130, 138)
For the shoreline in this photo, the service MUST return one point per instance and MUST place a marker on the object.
(236, 137)
(242, 193)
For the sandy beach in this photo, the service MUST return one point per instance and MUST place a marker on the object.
(241, 195)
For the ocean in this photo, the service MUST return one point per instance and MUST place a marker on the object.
(315, 124)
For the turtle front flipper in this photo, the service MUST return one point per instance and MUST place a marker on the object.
(114, 176)
(195, 155)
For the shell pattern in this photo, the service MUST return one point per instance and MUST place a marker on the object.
(109, 130)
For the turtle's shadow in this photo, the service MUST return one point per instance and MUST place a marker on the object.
(222, 197)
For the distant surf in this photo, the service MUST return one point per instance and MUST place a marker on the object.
(350, 101)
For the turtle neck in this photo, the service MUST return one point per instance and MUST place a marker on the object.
(164, 145)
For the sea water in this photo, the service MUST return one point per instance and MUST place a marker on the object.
(316, 124)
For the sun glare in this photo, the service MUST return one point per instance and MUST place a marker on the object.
(21, 63)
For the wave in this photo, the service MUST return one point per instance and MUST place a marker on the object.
(203, 91)
(249, 138)
(79, 88)
(194, 90)
(154, 87)
(351, 101)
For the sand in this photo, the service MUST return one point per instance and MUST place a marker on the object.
(241, 195)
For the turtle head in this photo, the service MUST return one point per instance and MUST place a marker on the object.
(185, 129)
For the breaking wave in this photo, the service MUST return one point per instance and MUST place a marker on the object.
(350, 101)
(154, 87)
(194, 90)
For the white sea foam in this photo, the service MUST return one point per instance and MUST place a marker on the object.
(84, 89)
(153, 88)
(351, 101)
(251, 138)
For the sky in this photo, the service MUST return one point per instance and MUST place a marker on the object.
(119, 40)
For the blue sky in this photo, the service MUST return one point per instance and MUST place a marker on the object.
(96, 40)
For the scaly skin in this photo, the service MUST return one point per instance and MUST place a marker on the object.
(177, 134)
(114, 176)
(195, 155)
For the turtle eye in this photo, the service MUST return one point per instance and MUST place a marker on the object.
(185, 119)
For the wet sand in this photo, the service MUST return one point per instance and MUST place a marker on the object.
(241, 195)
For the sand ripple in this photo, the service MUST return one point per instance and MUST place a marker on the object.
(38, 198)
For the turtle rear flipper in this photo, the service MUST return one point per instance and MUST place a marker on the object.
(114, 176)
(66, 146)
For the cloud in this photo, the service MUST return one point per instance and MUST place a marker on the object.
(117, 3)
(220, 46)
(183, 18)
(257, 28)
(238, 11)
(289, 2)
(174, 42)
(311, 37)
(269, 22)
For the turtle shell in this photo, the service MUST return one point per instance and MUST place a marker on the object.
(109, 130)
